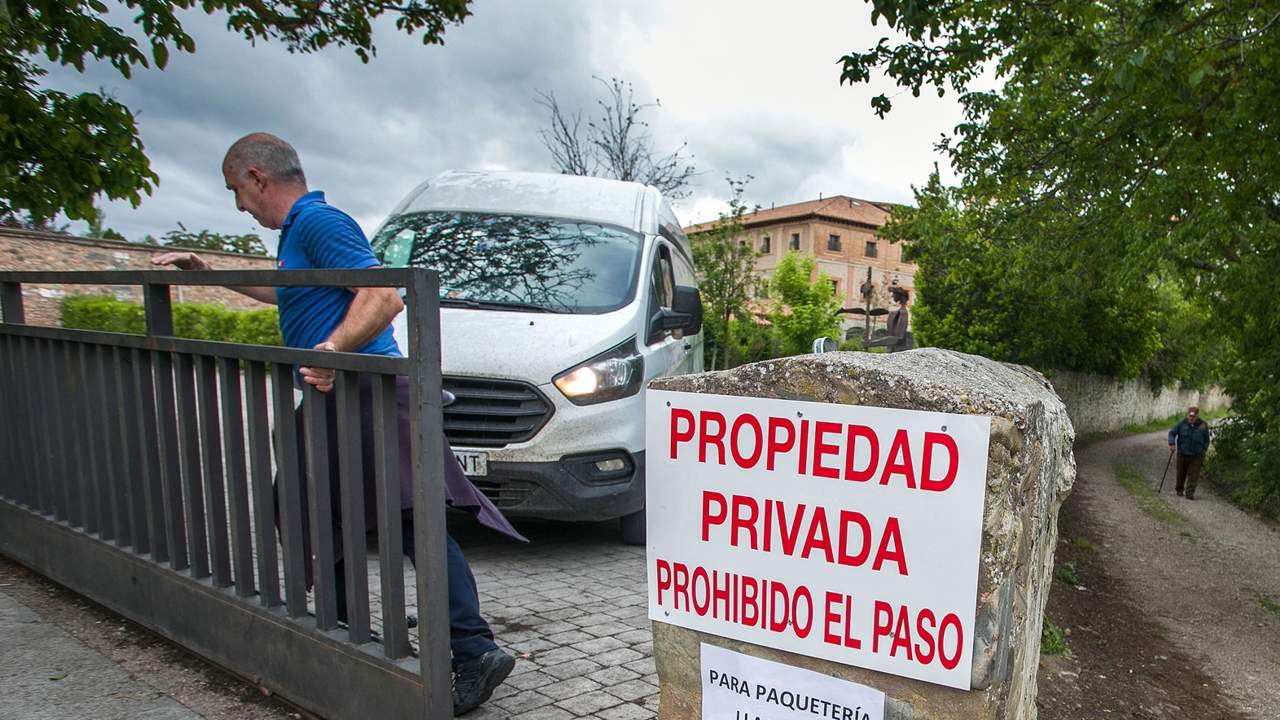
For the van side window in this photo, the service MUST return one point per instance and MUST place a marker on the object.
(684, 271)
(663, 281)
(662, 287)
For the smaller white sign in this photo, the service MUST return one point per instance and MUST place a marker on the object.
(741, 687)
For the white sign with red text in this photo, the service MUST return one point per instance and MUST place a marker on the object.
(842, 532)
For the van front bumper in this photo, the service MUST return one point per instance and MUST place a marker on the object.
(571, 488)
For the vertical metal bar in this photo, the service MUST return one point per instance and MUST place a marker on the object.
(8, 409)
(126, 416)
(426, 440)
(159, 309)
(215, 495)
(39, 419)
(290, 489)
(115, 369)
(32, 425)
(48, 478)
(149, 456)
(189, 447)
(170, 465)
(264, 501)
(61, 388)
(320, 506)
(11, 310)
(30, 430)
(12, 483)
(104, 395)
(237, 486)
(351, 485)
(80, 454)
(86, 451)
(386, 433)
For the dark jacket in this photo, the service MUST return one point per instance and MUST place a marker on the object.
(897, 326)
(1192, 439)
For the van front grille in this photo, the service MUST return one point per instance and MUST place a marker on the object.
(493, 413)
(505, 494)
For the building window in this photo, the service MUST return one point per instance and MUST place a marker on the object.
(795, 241)
(871, 248)
(833, 243)
(764, 244)
(835, 286)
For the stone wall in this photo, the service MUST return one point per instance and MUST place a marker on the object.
(1101, 404)
(32, 250)
(1030, 472)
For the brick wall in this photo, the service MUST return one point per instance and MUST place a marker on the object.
(31, 250)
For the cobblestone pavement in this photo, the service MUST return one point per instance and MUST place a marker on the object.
(571, 607)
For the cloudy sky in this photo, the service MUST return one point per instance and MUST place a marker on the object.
(752, 88)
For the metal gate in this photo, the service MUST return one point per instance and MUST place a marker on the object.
(139, 470)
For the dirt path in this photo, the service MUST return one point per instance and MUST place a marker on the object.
(1173, 606)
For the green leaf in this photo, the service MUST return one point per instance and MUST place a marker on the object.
(1197, 76)
(161, 54)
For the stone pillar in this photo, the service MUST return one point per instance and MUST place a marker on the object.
(1029, 473)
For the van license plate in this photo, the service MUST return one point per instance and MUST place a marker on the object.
(473, 463)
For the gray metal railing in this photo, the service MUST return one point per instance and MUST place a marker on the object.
(138, 471)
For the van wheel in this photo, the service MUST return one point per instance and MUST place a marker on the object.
(632, 528)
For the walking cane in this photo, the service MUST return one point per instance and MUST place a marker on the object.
(1166, 471)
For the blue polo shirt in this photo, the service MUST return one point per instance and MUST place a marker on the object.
(317, 235)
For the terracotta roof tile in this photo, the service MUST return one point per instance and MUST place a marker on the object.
(838, 207)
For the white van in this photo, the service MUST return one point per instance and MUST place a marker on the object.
(561, 298)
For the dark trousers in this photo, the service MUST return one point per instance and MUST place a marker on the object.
(1188, 473)
(469, 634)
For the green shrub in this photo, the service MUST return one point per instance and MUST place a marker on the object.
(1066, 572)
(1240, 447)
(1052, 640)
(192, 321)
(94, 312)
(258, 327)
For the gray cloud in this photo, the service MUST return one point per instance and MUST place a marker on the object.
(369, 133)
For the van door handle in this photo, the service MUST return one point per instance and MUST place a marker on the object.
(687, 347)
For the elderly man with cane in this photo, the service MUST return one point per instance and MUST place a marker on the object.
(1190, 440)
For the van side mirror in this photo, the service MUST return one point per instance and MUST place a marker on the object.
(684, 314)
(688, 300)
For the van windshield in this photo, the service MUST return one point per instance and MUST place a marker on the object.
(517, 261)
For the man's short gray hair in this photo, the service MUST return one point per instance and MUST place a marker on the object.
(268, 153)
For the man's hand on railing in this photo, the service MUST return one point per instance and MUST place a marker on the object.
(321, 378)
(186, 260)
(182, 260)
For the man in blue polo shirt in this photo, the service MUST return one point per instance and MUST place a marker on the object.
(266, 176)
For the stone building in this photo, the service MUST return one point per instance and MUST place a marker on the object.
(36, 250)
(840, 233)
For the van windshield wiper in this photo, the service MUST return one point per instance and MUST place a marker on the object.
(501, 304)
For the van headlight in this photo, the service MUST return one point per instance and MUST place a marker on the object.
(614, 373)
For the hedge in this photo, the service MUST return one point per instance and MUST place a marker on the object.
(194, 321)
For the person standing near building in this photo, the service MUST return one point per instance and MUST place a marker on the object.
(899, 320)
(1190, 439)
(264, 173)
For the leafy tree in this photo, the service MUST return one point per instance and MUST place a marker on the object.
(1133, 138)
(805, 305)
(1032, 303)
(726, 266)
(247, 244)
(615, 144)
(58, 151)
(98, 229)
